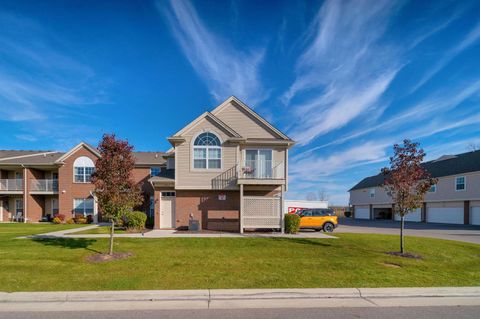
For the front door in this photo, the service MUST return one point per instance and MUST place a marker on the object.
(167, 210)
(1, 210)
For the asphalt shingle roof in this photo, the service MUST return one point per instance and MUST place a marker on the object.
(444, 166)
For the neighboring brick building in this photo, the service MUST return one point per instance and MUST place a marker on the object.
(36, 185)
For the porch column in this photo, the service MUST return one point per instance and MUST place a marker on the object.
(95, 209)
(282, 204)
(241, 209)
(25, 195)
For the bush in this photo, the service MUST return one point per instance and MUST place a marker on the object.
(61, 217)
(347, 214)
(292, 223)
(80, 220)
(135, 220)
(57, 220)
(70, 221)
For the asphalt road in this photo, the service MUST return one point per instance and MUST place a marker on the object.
(317, 313)
(466, 233)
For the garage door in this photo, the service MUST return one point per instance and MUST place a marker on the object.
(415, 216)
(475, 215)
(447, 215)
(362, 213)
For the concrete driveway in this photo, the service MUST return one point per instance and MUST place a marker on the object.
(466, 233)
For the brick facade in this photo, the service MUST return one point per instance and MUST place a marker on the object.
(205, 206)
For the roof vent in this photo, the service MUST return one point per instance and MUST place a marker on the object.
(44, 154)
(445, 157)
(156, 155)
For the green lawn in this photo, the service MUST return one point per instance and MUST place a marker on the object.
(193, 263)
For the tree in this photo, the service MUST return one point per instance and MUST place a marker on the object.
(115, 189)
(473, 147)
(406, 181)
(321, 196)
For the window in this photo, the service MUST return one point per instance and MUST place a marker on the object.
(460, 183)
(168, 194)
(83, 168)
(207, 152)
(433, 189)
(155, 171)
(258, 163)
(372, 192)
(152, 206)
(54, 206)
(19, 206)
(83, 206)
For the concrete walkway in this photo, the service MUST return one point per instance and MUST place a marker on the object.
(176, 234)
(466, 233)
(239, 299)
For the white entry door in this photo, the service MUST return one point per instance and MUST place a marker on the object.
(167, 210)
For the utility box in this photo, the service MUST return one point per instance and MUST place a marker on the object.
(193, 225)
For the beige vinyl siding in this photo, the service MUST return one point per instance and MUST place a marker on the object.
(189, 178)
(243, 123)
(445, 191)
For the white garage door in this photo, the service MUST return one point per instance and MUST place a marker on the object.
(475, 215)
(447, 215)
(362, 213)
(415, 216)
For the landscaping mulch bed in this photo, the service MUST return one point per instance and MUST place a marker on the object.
(101, 258)
(405, 255)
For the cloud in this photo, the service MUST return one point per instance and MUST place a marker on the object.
(39, 79)
(464, 44)
(225, 69)
(345, 70)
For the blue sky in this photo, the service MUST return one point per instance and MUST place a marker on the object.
(346, 79)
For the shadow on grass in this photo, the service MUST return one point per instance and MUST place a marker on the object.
(70, 243)
(301, 241)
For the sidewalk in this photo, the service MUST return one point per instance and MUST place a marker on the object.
(70, 233)
(239, 299)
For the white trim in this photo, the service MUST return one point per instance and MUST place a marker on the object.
(464, 183)
(76, 148)
(211, 116)
(192, 153)
(85, 163)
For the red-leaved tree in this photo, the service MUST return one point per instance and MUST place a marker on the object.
(406, 181)
(115, 189)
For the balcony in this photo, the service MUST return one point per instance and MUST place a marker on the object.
(49, 186)
(262, 172)
(11, 185)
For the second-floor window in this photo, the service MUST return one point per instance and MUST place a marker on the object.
(460, 183)
(372, 192)
(155, 171)
(83, 168)
(207, 151)
(433, 189)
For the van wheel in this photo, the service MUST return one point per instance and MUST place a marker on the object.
(328, 227)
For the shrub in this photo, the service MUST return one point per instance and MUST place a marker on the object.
(80, 220)
(70, 221)
(57, 220)
(347, 214)
(61, 217)
(89, 219)
(292, 223)
(135, 220)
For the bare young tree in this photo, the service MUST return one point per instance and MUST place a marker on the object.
(406, 181)
(473, 147)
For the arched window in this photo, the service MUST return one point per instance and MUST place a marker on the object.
(83, 168)
(207, 151)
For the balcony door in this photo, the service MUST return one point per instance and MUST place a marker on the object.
(258, 163)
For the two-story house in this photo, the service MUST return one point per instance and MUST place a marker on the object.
(36, 185)
(455, 199)
(227, 170)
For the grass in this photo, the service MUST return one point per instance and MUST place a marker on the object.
(352, 260)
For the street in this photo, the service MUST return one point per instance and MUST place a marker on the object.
(306, 313)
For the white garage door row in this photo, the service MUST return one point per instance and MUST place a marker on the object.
(446, 215)
(415, 216)
(475, 215)
(362, 213)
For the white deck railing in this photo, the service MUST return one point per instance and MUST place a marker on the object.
(262, 169)
(11, 184)
(44, 185)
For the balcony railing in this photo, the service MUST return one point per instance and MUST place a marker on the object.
(44, 185)
(11, 184)
(262, 169)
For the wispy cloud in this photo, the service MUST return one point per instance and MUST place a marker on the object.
(345, 70)
(470, 38)
(226, 70)
(37, 78)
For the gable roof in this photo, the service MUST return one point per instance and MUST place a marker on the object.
(76, 148)
(446, 165)
(44, 158)
(212, 117)
(149, 158)
(251, 112)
